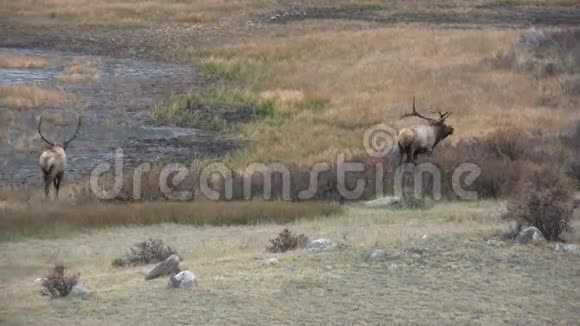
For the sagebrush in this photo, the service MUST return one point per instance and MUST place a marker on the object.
(58, 282)
(146, 252)
(543, 199)
(285, 241)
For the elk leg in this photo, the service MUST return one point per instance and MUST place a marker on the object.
(57, 182)
(47, 182)
(411, 155)
(46, 188)
(401, 154)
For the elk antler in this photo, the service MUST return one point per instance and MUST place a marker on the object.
(442, 115)
(40, 132)
(416, 114)
(65, 145)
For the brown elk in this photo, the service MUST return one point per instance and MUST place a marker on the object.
(53, 160)
(422, 139)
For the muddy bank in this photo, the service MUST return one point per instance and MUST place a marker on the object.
(116, 111)
(498, 16)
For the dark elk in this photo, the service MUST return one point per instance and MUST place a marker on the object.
(422, 139)
(53, 160)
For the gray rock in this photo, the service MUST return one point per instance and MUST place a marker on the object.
(384, 202)
(529, 234)
(167, 267)
(183, 280)
(78, 290)
(377, 254)
(272, 261)
(567, 248)
(320, 245)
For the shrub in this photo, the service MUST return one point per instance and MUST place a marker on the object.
(58, 282)
(287, 241)
(146, 252)
(543, 199)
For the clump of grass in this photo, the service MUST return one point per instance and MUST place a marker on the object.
(285, 241)
(217, 110)
(31, 96)
(146, 252)
(59, 220)
(22, 61)
(543, 199)
(80, 70)
(58, 282)
(248, 70)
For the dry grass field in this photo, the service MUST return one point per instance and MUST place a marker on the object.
(439, 267)
(300, 82)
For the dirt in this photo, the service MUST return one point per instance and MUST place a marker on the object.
(490, 16)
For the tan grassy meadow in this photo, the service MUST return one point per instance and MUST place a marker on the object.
(371, 76)
(432, 259)
(317, 86)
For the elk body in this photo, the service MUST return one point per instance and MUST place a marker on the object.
(422, 139)
(53, 160)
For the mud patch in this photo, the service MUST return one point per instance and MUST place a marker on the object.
(480, 17)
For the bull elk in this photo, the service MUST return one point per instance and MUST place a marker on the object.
(53, 160)
(422, 139)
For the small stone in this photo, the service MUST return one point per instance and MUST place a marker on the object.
(567, 248)
(529, 234)
(167, 267)
(79, 290)
(320, 245)
(183, 280)
(384, 202)
(377, 254)
(40, 281)
(272, 261)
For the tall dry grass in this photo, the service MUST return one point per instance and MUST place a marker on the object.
(124, 12)
(80, 70)
(61, 219)
(370, 77)
(23, 96)
(22, 61)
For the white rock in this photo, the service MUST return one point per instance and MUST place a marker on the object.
(40, 281)
(567, 248)
(79, 290)
(183, 280)
(529, 234)
(272, 261)
(166, 267)
(320, 245)
(384, 202)
(377, 254)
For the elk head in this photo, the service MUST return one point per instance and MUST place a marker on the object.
(443, 129)
(53, 160)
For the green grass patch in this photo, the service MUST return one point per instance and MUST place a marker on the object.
(314, 103)
(219, 110)
(224, 69)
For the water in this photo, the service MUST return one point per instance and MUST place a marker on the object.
(115, 112)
